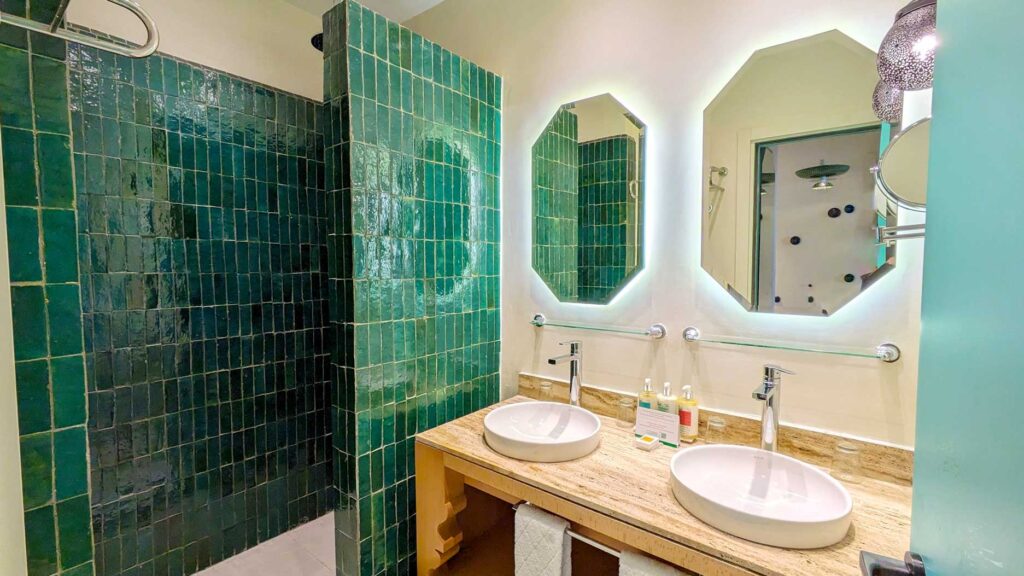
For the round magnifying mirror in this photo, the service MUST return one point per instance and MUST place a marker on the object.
(902, 172)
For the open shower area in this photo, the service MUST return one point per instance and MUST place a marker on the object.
(234, 305)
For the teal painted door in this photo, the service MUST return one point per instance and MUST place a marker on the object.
(968, 516)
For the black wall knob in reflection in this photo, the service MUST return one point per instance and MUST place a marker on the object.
(794, 240)
(810, 299)
(849, 208)
(778, 299)
(834, 212)
(849, 278)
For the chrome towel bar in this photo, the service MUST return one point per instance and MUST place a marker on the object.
(584, 539)
(54, 29)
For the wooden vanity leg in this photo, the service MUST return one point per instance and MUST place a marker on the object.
(440, 496)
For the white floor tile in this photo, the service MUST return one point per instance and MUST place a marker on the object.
(305, 551)
(317, 538)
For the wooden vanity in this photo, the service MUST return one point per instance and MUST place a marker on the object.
(619, 496)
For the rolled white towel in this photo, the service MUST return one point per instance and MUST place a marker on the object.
(542, 546)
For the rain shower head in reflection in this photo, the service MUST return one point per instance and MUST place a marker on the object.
(906, 58)
(823, 174)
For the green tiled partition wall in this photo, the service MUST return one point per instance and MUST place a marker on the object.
(49, 361)
(607, 216)
(556, 205)
(412, 167)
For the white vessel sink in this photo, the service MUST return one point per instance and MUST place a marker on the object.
(542, 431)
(761, 496)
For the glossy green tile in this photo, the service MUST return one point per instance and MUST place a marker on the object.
(68, 391)
(41, 541)
(50, 95)
(19, 166)
(86, 569)
(36, 469)
(55, 182)
(44, 45)
(43, 10)
(23, 244)
(29, 310)
(69, 452)
(15, 95)
(61, 245)
(73, 520)
(11, 35)
(64, 314)
(33, 381)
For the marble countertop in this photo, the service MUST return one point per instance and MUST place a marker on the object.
(633, 486)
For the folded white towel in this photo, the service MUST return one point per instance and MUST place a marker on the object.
(542, 546)
(632, 564)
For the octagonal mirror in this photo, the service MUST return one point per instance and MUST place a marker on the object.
(588, 200)
(791, 212)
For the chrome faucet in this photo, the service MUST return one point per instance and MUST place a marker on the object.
(575, 360)
(770, 392)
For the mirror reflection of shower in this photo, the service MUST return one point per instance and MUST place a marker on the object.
(815, 246)
(588, 200)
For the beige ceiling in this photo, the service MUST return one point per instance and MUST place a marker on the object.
(398, 10)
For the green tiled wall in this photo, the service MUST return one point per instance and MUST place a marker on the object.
(189, 268)
(556, 205)
(200, 259)
(607, 216)
(202, 242)
(338, 186)
(413, 170)
(41, 235)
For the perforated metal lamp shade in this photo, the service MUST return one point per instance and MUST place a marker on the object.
(887, 103)
(906, 58)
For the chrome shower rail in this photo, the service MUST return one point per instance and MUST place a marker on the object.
(54, 29)
(655, 331)
(887, 352)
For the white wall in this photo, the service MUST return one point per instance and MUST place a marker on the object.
(666, 60)
(13, 557)
(267, 41)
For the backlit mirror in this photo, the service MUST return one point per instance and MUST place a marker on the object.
(790, 206)
(903, 169)
(588, 200)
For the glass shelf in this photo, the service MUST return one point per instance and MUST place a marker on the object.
(887, 352)
(656, 331)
